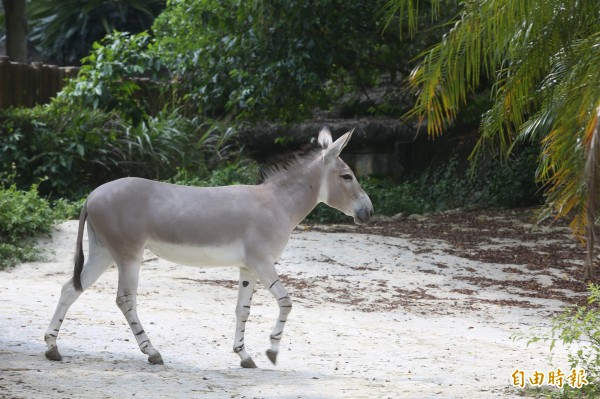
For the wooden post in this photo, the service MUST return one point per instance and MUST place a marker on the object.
(45, 87)
(5, 92)
(28, 87)
(61, 80)
(71, 72)
(55, 81)
(36, 75)
(16, 81)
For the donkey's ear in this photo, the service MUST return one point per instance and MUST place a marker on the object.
(336, 148)
(325, 139)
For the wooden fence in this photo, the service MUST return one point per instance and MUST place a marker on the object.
(30, 84)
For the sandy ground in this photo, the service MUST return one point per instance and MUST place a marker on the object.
(374, 317)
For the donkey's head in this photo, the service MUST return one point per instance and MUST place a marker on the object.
(339, 188)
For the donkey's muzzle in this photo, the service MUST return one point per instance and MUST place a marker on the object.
(363, 215)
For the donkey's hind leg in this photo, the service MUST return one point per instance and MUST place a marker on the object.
(99, 259)
(127, 301)
(242, 312)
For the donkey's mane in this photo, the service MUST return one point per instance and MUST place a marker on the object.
(289, 162)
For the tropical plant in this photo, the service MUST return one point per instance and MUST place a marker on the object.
(62, 149)
(69, 150)
(64, 31)
(542, 58)
(107, 78)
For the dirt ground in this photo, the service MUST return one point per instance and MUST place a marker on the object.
(418, 307)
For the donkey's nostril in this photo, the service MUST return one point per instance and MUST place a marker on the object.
(371, 212)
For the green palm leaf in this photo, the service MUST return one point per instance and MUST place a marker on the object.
(543, 59)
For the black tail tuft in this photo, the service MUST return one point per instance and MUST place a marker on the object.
(79, 259)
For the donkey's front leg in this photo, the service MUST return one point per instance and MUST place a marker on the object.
(242, 311)
(273, 283)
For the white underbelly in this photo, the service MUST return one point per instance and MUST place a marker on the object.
(221, 255)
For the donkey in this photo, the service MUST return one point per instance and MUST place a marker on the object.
(247, 226)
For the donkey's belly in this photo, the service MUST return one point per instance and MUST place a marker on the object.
(222, 255)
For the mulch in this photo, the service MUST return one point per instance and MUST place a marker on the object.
(503, 237)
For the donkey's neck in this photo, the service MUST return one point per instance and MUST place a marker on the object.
(298, 192)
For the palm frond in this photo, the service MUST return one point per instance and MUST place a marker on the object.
(399, 11)
(543, 60)
(592, 173)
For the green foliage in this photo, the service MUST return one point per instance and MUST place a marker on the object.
(106, 79)
(234, 173)
(510, 183)
(12, 254)
(65, 209)
(578, 328)
(63, 31)
(72, 150)
(65, 150)
(23, 214)
(250, 59)
(279, 59)
(246, 172)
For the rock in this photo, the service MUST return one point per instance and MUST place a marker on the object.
(416, 216)
(398, 216)
(381, 218)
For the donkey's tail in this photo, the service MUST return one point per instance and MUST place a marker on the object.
(79, 258)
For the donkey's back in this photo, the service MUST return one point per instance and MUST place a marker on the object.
(140, 209)
(197, 226)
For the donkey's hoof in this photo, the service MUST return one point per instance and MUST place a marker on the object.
(53, 354)
(272, 355)
(248, 363)
(156, 359)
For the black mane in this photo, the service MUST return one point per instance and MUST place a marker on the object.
(287, 163)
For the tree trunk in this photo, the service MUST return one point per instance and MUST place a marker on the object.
(16, 29)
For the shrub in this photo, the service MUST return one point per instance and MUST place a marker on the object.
(71, 150)
(65, 149)
(67, 210)
(237, 172)
(578, 328)
(509, 183)
(23, 214)
(242, 172)
(106, 79)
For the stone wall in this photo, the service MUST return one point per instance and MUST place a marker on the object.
(379, 146)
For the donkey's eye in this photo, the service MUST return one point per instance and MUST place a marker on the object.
(346, 176)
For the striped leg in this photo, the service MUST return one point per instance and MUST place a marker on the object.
(98, 261)
(242, 311)
(127, 302)
(285, 307)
